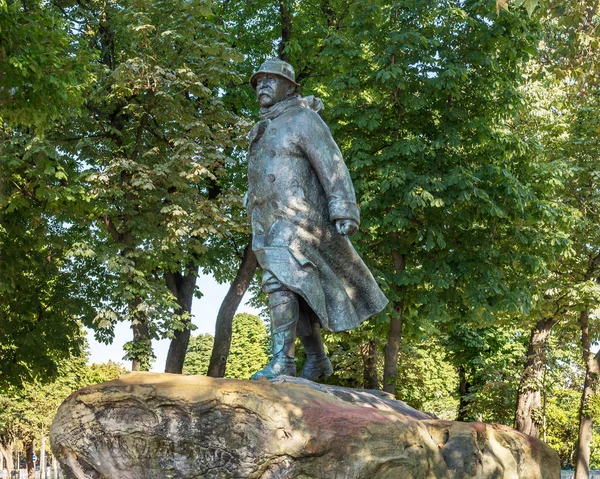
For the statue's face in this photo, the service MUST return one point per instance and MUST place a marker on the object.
(271, 89)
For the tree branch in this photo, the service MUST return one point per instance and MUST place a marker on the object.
(111, 228)
(286, 30)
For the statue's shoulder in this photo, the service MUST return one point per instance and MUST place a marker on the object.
(305, 117)
(308, 113)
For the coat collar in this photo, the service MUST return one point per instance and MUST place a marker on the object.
(294, 101)
(268, 114)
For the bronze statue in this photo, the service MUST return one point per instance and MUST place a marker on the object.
(302, 207)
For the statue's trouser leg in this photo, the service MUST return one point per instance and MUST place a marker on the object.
(317, 364)
(284, 318)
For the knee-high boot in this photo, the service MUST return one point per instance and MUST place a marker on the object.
(317, 364)
(284, 318)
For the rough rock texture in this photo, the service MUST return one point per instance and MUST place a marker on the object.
(159, 426)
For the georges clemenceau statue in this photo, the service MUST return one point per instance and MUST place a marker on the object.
(302, 207)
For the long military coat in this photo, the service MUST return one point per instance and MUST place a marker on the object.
(298, 185)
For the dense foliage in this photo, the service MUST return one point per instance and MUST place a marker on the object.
(26, 412)
(470, 130)
(248, 354)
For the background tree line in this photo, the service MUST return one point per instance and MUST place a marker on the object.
(469, 128)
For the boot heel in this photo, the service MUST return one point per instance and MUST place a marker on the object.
(317, 368)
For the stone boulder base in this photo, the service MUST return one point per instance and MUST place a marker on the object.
(159, 426)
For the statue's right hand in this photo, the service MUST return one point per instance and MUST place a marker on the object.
(346, 227)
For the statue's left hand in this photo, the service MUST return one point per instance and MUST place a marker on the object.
(346, 227)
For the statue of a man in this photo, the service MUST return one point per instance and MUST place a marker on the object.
(302, 207)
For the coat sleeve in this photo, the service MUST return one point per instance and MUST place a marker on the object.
(326, 159)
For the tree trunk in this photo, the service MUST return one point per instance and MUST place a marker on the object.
(141, 333)
(390, 365)
(43, 456)
(463, 389)
(223, 326)
(529, 400)
(286, 30)
(54, 468)
(369, 354)
(7, 451)
(29, 453)
(592, 368)
(183, 288)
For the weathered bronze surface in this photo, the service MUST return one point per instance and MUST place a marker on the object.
(302, 207)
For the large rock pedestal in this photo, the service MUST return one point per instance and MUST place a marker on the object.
(159, 426)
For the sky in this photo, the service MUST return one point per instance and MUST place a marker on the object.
(204, 312)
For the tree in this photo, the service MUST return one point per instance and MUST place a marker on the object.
(27, 411)
(41, 308)
(488, 363)
(198, 352)
(249, 346)
(225, 317)
(529, 397)
(569, 59)
(582, 271)
(425, 99)
(355, 357)
(544, 126)
(153, 143)
(564, 373)
(38, 64)
(427, 380)
(248, 353)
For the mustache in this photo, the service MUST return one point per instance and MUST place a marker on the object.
(265, 90)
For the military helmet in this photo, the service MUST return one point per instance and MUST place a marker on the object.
(277, 67)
